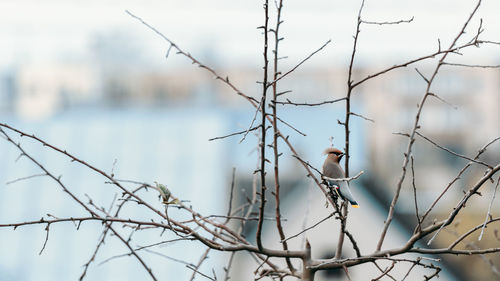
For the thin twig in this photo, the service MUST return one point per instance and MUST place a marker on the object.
(470, 231)
(25, 178)
(309, 228)
(309, 104)
(230, 208)
(299, 64)
(419, 222)
(353, 242)
(386, 271)
(46, 239)
(203, 257)
(291, 127)
(488, 215)
(443, 100)
(388, 22)
(228, 267)
(257, 110)
(454, 153)
(200, 273)
(409, 270)
(234, 134)
(362, 117)
(471, 65)
(104, 234)
(381, 270)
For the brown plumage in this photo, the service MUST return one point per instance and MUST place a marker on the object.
(332, 169)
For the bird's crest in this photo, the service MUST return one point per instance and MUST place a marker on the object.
(332, 150)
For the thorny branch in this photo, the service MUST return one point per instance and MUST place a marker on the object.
(416, 126)
(262, 144)
(276, 153)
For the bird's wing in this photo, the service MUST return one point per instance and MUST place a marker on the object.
(345, 192)
(334, 170)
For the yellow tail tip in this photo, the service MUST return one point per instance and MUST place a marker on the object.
(355, 206)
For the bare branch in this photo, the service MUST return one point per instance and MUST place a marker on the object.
(416, 126)
(472, 230)
(421, 75)
(291, 127)
(419, 222)
(426, 57)
(309, 104)
(443, 100)
(262, 143)
(382, 271)
(488, 215)
(215, 232)
(447, 251)
(362, 117)
(46, 239)
(471, 65)
(388, 22)
(262, 126)
(454, 153)
(461, 204)
(229, 209)
(481, 151)
(309, 228)
(353, 242)
(225, 79)
(234, 134)
(228, 267)
(25, 178)
(386, 271)
(276, 153)
(299, 64)
(195, 269)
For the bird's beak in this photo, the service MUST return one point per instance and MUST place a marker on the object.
(341, 155)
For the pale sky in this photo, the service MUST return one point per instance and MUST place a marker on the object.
(33, 30)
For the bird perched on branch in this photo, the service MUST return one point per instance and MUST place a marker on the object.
(165, 194)
(334, 176)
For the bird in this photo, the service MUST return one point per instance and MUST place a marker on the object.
(333, 170)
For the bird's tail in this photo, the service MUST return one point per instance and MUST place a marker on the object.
(345, 195)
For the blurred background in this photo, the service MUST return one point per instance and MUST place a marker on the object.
(88, 78)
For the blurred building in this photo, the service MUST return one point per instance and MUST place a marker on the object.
(466, 120)
(36, 92)
(303, 206)
(463, 119)
(93, 80)
(144, 146)
(43, 89)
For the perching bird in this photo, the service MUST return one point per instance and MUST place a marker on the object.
(332, 169)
